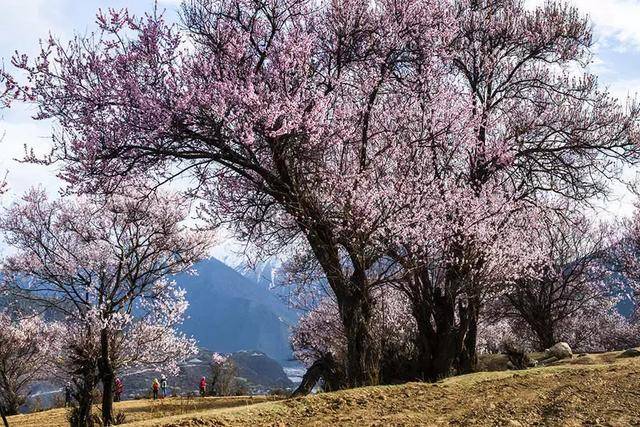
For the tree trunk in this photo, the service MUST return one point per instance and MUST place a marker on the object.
(9, 396)
(107, 377)
(437, 355)
(436, 342)
(4, 417)
(321, 368)
(544, 334)
(468, 359)
(363, 361)
(12, 404)
(439, 336)
(81, 415)
(356, 309)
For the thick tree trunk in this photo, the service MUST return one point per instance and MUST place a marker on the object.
(83, 414)
(468, 357)
(440, 335)
(533, 302)
(468, 360)
(544, 334)
(11, 400)
(363, 359)
(437, 355)
(547, 341)
(356, 310)
(107, 377)
(435, 341)
(84, 396)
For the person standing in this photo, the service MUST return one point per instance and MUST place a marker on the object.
(154, 387)
(203, 387)
(67, 395)
(163, 385)
(117, 390)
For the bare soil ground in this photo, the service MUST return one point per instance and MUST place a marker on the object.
(593, 390)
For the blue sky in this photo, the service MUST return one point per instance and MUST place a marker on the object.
(24, 22)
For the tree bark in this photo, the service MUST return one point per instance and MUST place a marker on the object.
(468, 358)
(84, 397)
(436, 342)
(363, 360)
(356, 309)
(11, 399)
(440, 336)
(321, 368)
(107, 378)
(544, 331)
(436, 355)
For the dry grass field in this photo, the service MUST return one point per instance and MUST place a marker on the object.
(593, 390)
(139, 410)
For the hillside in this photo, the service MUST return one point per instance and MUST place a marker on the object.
(591, 390)
(256, 370)
(229, 312)
(138, 410)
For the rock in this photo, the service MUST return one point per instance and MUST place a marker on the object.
(518, 357)
(547, 360)
(560, 350)
(630, 352)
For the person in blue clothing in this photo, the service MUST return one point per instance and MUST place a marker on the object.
(163, 385)
(67, 395)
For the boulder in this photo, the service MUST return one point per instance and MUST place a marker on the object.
(630, 352)
(560, 350)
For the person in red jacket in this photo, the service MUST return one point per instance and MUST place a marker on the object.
(117, 390)
(155, 386)
(203, 386)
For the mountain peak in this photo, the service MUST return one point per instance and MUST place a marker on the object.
(229, 312)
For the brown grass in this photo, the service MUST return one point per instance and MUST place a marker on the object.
(593, 390)
(139, 410)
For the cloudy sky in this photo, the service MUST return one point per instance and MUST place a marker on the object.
(24, 22)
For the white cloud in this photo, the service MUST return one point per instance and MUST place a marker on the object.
(22, 176)
(625, 89)
(23, 22)
(615, 20)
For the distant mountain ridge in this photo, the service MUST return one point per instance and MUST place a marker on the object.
(258, 371)
(229, 312)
